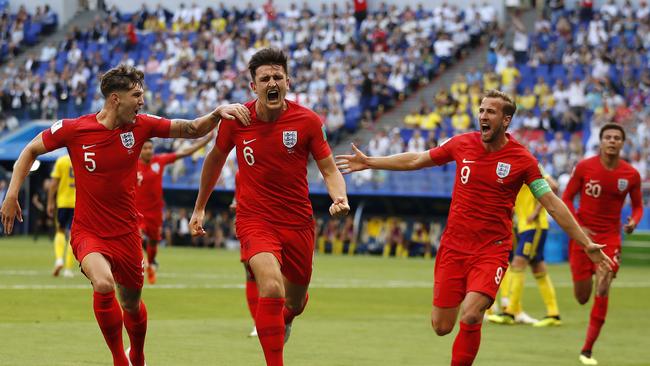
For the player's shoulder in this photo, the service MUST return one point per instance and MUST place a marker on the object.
(303, 111)
(147, 118)
(467, 138)
(629, 169)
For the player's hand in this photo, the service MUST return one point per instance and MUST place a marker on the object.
(10, 211)
(196, 223)
(233, 111)
(233, 206)
(50, 210)
(587, 231)
(629, 226)
(595, 253)
(352, 163)
(339, 207)
(532, 218)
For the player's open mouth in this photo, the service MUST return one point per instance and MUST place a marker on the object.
(273, 95)
(485, 127)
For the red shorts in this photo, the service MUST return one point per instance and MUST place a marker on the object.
(124, 253)
(458, 273)
(294, 248)
(582, 267)
(151, 226)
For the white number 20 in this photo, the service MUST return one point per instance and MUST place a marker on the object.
(593, 189)
(90, 163)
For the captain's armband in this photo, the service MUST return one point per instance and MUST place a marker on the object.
(539, 187)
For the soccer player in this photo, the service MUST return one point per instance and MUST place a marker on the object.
(473, 255)
(532, 228)
(60, 197)
(104, 149)
(149, 196)
(604, 181)
(274, 215)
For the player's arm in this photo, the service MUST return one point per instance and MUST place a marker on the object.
(10, 206)
(553, 184)
(210, 173)
(404, 161)
(572, 188)
(200, 126)
(187, 151)
(561, 214)
(51, 196)
(335, 186)
(637, 209)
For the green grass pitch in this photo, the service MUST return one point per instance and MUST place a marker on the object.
(363, 311)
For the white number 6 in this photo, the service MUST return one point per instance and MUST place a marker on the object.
(248, 155)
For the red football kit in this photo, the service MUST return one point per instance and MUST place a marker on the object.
(602, 195)
(105, 165)
(149, 194)
(474, 248)
(274, 213)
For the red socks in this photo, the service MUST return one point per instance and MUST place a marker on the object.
(252, 296)
(136, 327)
(596, 321)
(289, 315)
(270, 329)
(466, 344)
(109, 318)
(152, 250)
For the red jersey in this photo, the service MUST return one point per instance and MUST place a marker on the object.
(485, 189)
(105, 164)
(149, 192)
(360, 5)
(272, 159)
(602, 194)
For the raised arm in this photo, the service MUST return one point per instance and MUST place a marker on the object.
(187, 151)
(335, 186)
(200, 126)
(10, 206)
(209, 175)
(404, 161)
(561, 214)
(51, 196)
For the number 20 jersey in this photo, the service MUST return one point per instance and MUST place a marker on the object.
(105, 165)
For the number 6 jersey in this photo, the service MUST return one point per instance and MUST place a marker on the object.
(105, 165)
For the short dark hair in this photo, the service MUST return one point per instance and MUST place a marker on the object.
(509, 108)
(611, 126)
(267, 56)
(121, 78)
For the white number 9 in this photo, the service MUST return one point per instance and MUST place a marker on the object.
(464, 174)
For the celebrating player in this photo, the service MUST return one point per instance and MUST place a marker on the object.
(604, 181)
(104, 149)
(473, 255)
(61, 196)
(149, 196)
(274, 214)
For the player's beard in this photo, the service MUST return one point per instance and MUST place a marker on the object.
(493, 134)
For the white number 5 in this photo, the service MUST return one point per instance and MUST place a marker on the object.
(91, 165)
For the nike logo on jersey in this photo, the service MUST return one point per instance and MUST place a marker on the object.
(87, 146)
(249, 141)
(465, 161)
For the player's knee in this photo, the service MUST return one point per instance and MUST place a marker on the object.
(441, 328)
(103, 286)
(472, 317)
(271, 288)
(582, 298)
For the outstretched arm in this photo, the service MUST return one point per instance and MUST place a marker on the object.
(10, 207)
(404, 161)
(335, 186)
(51, 196)
(209, 175)
(561, 214)
(187, 151)
(202, 125)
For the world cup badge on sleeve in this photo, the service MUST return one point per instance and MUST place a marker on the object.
(127, 139)
(289, 138)
(503, 169)
(622, 184)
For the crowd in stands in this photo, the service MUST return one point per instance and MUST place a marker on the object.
(23, 29)
(346, 67)
(576, 70)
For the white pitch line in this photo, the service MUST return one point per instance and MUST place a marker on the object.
(342, 285)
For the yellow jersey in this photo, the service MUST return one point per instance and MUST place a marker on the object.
(525, 206)
(65, 194)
